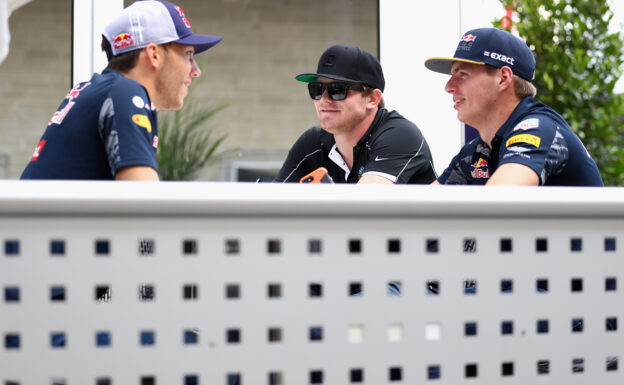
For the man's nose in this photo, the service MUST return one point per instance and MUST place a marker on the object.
(195, 71)
(450, 86)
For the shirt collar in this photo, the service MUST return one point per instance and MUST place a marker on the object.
(517, 112)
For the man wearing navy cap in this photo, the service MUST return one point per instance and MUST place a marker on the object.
(357, 140)
(521, 142)
(106, 128)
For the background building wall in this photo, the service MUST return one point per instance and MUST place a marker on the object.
(34, 78)
(266, 43)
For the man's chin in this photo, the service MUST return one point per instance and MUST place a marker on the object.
(327, 128)
(171, 107)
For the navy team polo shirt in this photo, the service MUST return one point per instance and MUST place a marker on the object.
(535, 136)
(101, 126)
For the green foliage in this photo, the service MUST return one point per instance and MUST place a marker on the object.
(186, 143)
(578, 63)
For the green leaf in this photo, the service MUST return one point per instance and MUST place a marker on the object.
(579, 60)
(186, 139)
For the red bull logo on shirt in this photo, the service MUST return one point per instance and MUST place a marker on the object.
(59, 115)
(480, 163)
(480, 169)
(469, 37)
(123, 40)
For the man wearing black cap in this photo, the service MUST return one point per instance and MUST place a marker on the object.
(521, 142)
(106, 128)
(358, 140)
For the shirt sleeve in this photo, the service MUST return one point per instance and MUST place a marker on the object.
(299, 160)
(128, 128)
(537, 143)
(398, 153)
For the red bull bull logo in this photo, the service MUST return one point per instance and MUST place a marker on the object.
(469, 37)
(184, 19)
(480, 169)
(480, 163)
(123, 40)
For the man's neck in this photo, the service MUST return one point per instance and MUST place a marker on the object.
(495, 120)
(345, 142)
(145, 78)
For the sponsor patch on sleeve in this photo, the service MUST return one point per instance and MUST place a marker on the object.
(143, 121)
(524, 138)
(527, 124)
(38, 149)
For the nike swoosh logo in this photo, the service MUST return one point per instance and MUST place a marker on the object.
(377, 159)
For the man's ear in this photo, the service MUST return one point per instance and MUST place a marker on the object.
(154, 55)
(374, 98)
(506, 77)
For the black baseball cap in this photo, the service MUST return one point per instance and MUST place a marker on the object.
(492, 46)
(348, 64)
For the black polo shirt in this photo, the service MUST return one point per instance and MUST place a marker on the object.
(393, 147)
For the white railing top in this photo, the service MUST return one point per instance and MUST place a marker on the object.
(266, 199)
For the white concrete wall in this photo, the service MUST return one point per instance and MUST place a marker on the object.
(90, 18)
(412, 31)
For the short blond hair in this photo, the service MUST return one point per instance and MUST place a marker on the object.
(522, 87)
(367, 91)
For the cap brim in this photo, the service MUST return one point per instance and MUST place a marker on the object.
(200, 42)
(309, 78)
(445, 64)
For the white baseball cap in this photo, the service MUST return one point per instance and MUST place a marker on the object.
(152, 21)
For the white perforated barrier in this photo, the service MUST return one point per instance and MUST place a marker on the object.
(210, 283)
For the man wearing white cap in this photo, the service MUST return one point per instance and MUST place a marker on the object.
(106, 128)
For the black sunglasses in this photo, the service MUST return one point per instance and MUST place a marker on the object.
(335, 90)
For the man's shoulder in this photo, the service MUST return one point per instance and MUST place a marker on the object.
(534, 126)
(537, 115)
(116, 84)
(390, 121)
(316, 135)
(393, 117)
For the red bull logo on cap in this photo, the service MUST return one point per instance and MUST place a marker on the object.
(469, 37)
(123, 40)
(184, 19)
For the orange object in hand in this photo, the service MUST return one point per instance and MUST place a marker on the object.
(317, 176)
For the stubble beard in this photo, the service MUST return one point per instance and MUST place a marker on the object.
(168, 91)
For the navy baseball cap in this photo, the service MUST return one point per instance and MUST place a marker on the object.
(491, 46)
(152, 21)
(348, 64)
